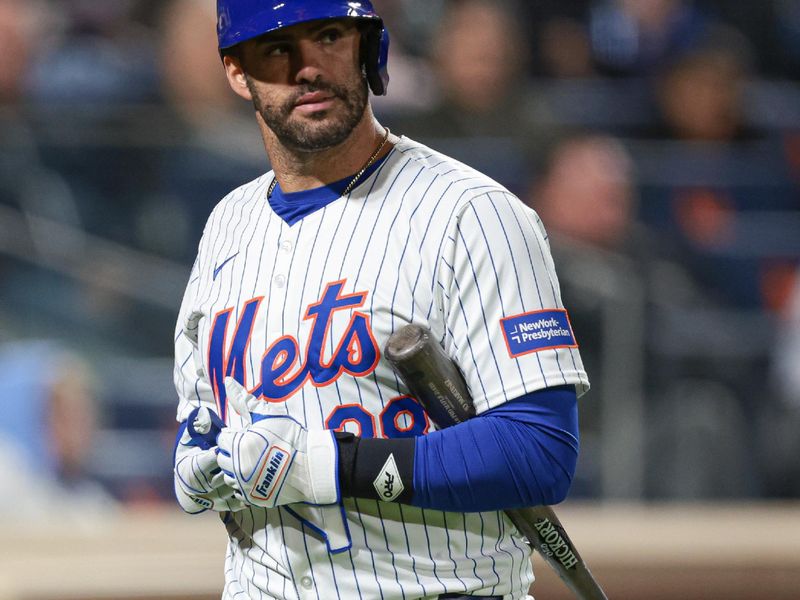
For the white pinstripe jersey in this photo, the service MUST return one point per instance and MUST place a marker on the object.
(300, 313)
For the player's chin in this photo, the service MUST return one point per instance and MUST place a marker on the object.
(313, 117)
(318, 122)
(315, 135)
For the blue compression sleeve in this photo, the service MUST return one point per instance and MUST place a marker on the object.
(522, 453)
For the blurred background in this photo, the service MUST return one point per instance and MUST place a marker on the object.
(659, 140)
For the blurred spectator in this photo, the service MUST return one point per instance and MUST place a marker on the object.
(92, 70)
(700, 92)
(20, 30)
(480, 59)
(103, 55)
(558, 34)
(587, 192)
(787, 24)
(772, 27)
(193, 79)
(26, 188)
(410, 23)
(564, 49)
(588, 198)
(47, 426)
(636, 37)
(213, 146)
(726, 172)
(23, 28)
(479, 55)
(625, 285)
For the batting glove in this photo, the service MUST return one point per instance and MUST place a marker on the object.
(199, 483)
(276, 461)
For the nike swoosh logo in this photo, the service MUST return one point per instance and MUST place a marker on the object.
(222, 264)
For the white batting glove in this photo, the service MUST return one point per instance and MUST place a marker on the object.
(276, 461)
(199, 483)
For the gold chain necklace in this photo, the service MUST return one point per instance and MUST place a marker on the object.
(355, 178)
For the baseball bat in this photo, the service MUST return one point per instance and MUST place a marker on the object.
(434, 379)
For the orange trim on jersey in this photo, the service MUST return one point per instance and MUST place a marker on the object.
(354, 420)
(397, 417)
(226, 352)
(343, 282)
(393, 399)
(288, 376)
(214, 388)
(325, 332)
(355, 341)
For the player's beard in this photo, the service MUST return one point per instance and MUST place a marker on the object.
(303, 136)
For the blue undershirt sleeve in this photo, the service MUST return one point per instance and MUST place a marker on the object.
(522, 453)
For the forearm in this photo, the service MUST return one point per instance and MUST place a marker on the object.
(520, 454)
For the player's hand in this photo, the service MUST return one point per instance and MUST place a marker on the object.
(199, 482)
(276, 461)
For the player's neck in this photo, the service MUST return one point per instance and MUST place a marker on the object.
(298, 171)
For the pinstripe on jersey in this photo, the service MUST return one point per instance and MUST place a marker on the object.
(423, 239)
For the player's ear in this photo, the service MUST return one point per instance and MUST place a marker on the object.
(237, 78)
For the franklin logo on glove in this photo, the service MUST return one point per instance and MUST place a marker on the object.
(273, 466)
(273, 460)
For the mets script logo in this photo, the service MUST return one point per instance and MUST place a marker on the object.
(283, 369)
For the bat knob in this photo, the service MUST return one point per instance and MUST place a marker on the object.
(203, 426)
(406, 342)
(202, 422)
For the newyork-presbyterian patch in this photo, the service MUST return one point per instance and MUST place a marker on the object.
(537, 330)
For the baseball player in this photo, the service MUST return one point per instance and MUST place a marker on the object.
(329, 477)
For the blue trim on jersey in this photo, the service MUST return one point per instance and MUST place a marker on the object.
(521, 453)
(294, 206)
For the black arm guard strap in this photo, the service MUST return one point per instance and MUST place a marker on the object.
(376, 468)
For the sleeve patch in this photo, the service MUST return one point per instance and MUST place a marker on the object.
(537, 330)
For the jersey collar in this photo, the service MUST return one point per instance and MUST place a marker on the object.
(294, 206)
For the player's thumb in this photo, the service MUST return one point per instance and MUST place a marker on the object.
(240, 399)
(269, 409)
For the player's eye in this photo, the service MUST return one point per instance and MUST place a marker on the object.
(331, 35)
(277, 50)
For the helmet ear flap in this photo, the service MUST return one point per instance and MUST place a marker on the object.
(375, 56)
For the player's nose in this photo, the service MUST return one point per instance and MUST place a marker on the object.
(308, 61)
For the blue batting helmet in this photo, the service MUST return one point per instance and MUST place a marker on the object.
(242, 20)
